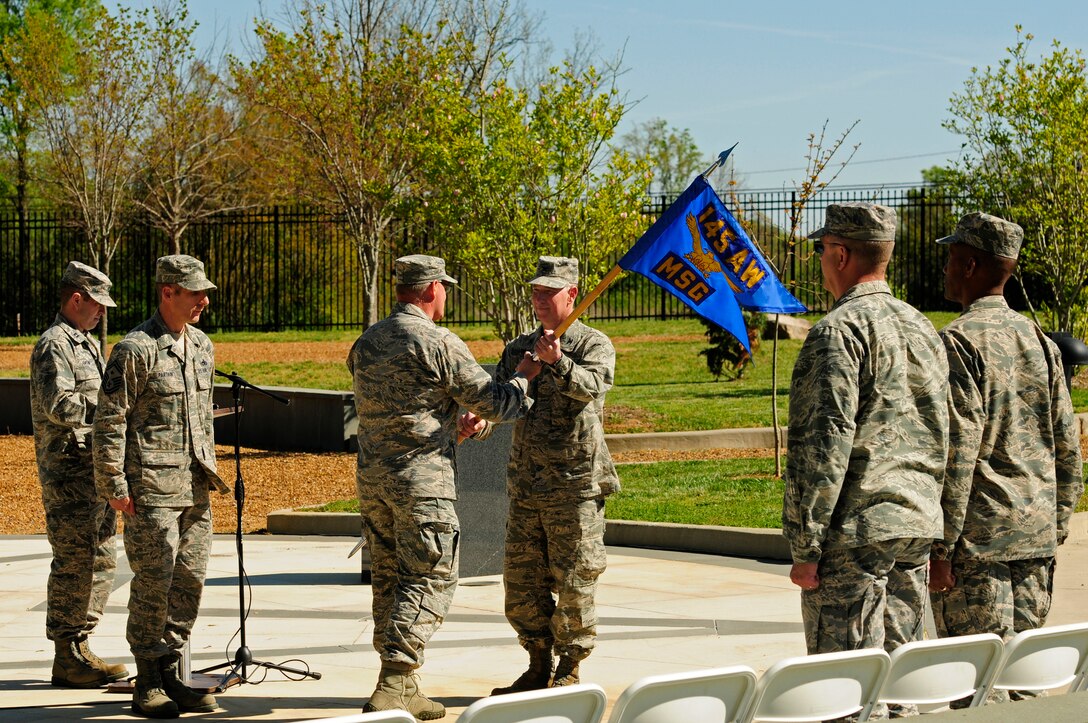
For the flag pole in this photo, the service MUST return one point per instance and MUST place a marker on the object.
(588, 299)
(720, 161)
(616, 270)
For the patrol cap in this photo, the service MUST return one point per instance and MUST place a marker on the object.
(988, 233)
(185, 271)
(88, 280)
(858, 221)
(420, 268)
(556, 272)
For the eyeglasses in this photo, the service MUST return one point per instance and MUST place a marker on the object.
(818, 246)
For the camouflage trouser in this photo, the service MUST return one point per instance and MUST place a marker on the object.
(869, 597)
(413, 571)
(167, 549)
(83, 535)
(554, 555)
(1003, 597)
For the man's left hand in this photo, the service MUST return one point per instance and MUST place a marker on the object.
(804, 575)
(941, 578)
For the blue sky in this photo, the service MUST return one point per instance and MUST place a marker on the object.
(767, 73)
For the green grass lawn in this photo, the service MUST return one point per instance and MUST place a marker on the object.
(736, 493)
(733, 493)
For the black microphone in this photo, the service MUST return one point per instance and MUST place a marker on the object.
(239, 381)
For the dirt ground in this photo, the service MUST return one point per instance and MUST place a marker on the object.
(272, 481)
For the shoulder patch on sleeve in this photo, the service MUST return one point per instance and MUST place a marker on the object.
(113, 379)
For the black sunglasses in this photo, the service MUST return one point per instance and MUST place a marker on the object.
(818, 246)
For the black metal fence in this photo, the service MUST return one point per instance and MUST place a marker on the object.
(296, 268)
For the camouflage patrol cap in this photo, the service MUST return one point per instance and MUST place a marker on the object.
(88, 280)
(858, 221)
(556, 272)
(185, 271)
(420, 268)
(988, 233)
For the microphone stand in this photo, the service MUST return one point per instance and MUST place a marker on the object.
(244, 657)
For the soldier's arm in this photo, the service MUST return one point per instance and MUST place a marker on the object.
(823, 407)
(474, 389)
(589, 379)
(966, 422)
(54, 383)
(116, 399)
(504, 372)
(1067, 457)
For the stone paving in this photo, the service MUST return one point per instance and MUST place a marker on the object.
(660, 612)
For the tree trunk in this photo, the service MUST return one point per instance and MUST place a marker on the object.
(370, 294)
(367, 244)
(174, 241)
(104, 324)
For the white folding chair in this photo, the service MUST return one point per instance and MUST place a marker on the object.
(382, 716)
(820, 687)
(943, 670)
(583, 703)
(719, 695)
(1045, 658)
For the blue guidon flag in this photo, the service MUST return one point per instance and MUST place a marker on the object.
(699, 253)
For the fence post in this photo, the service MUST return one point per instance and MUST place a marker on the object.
(923, 257)
(23, 315)
(276, 267)
(791, 251)
(664, 206)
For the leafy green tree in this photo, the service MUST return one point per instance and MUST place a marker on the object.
(356, 95)
(526, 172)
(193, 164)
(17, 121)
(91, 107)
(673, 155)
(1024, 125)
(725, 355)
(929, 212)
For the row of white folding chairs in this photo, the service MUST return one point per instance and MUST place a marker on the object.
(809, 688)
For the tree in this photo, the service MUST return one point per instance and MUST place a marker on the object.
(193, 167)
(1024, 125)
(929, 212)
(357, 93)
(92, 114)
(527, 173)
(673, 155)
(16, 115)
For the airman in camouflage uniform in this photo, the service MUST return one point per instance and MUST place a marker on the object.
(410, 377)
(65, 374)
(154, 460)
(559, 475)
(1014, 466)
(868, 436)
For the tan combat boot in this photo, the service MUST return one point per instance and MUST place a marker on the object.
(536, 677)
(187, 699)
(566, 672)
(399, 690)
(72, 670)
(149, 699)
(113, 671)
